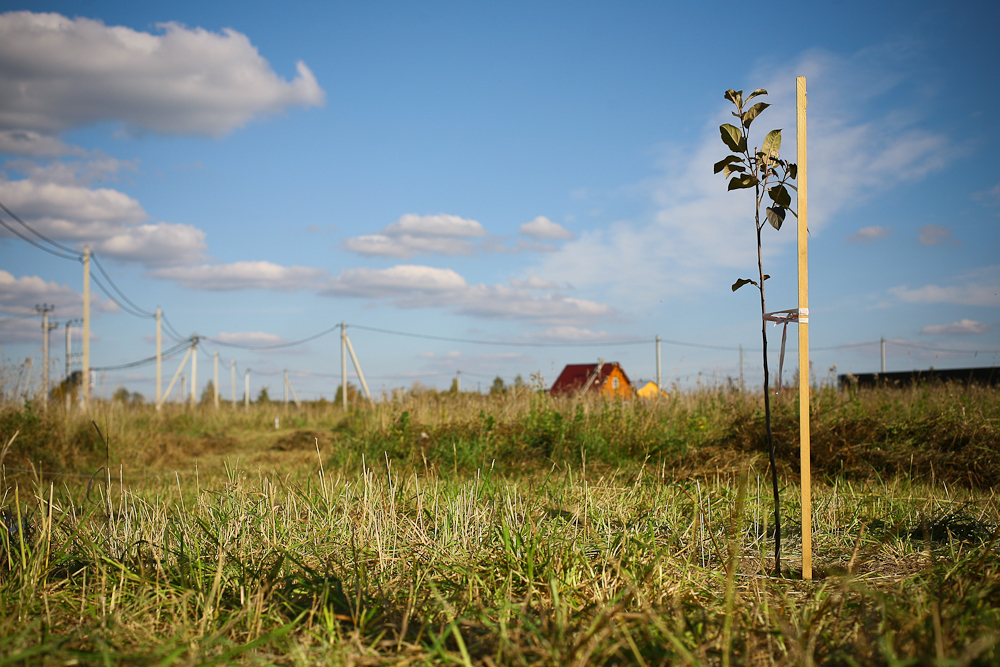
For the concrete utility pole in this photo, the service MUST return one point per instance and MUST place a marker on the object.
(216, 379)
(357, 367)
(343, 365)
(743, 385)
(194, 372)
(883, 355)
(86, 326)
(68, 353)
(246, 390)
(232, 371)
(45, 309)
(658, 383)
(159, 358)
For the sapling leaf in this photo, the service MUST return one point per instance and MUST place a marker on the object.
(779, 195)
(726, 160)
(772, 142)
(759, 91)
(753, 112)
(735, 96)
(743, 281)
(766, 276)
(776, 216)
(732, 168)
(793, 170)
(733, 138)
(744, 181)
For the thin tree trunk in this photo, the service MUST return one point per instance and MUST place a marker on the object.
(767, 416)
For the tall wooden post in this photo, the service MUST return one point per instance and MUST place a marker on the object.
(86, 326)
(803, 248)
(159, 357)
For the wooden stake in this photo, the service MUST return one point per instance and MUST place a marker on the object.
(803, 243)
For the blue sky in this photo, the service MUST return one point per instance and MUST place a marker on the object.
(517, 172)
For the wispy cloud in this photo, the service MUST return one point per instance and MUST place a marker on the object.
(700, 232)
(243, 275)
(413, 234)
(962, 327)
(414, 286)
(936, 235)
(19, 296)
(979, 287)
(869, 234)
(58, 73)
(255, 338)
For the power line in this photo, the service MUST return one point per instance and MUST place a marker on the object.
(172, 352)
(505, 343)
(36, 243)
(276, 345)
(98, 264)
(38, 233)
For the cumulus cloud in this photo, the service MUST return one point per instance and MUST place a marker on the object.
(936, 235)
(961, 327)
(243, 275)
(979, 287)
(58, 73)
(410, 286)
(109, 221)
(19, 296)
(35, 144)
(253, 338)
(533, 282)
(700, 232)
(869, 234)
(418, 235)
(543, 229)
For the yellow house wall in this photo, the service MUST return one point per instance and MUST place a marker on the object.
(624, 390)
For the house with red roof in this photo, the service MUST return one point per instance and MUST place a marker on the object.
(606, 378)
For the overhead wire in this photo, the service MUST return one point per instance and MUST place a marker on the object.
(38, 233)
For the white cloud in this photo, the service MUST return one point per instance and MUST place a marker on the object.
(543, 229)
(243, 275)
(58, 73)
(19, 296)
(701, 233)
(979, 287)
(410, 286)
(936, 235)
(869, 234)
(568, 334)
(156, 244)
(21, 330)
(420, 235)
(253, 338)
(533, 282)
(964, 326)
(991, 197)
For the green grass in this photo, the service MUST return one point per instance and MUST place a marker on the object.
(513, 530)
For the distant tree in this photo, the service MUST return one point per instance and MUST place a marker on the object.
(519, 383)
(497, 387)
(453, 390)
(208, 396)
(352, 395)
(262, 397)
(125, 397)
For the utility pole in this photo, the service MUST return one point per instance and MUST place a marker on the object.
(86, 326)
(232, 371)
(182, 386)
(159, 358)
(194, 372)
(883, 355)
(286, 389)
(45, 309)
(458, 381)
(743, 385)
(658, 385)
(343, 365)
(246, 390)
(68, 353)
(216, 379)
(357, 367)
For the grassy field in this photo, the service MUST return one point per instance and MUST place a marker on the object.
(514, 529)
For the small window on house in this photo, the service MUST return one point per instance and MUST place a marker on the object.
(614, 383)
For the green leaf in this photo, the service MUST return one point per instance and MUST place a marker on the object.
(759, 91)
(735, 96)
(766, 276)
(732, 169)
(733, 138)
(776, 216)
(779, 195)
(743, 281)
(793, 170)
(753, 112)
(726, 160)
(744, 181)
(772, 142)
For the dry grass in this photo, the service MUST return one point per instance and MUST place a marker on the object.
(402, 540)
